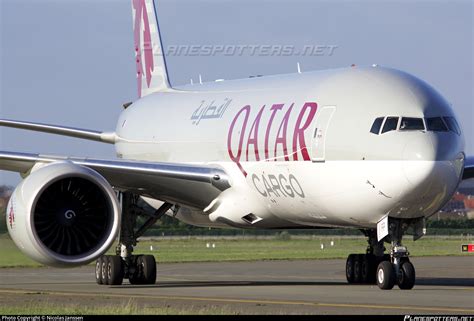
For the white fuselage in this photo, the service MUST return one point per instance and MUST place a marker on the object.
(299, 150)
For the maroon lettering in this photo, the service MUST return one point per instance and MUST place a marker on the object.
(253, 140)
(280, 140)
(274, 109)
(281, 135)
(298, 134)
(236, 158)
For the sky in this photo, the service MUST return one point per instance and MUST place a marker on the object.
(71, 62)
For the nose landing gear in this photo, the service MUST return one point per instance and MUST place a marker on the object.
(399, 270)
(385, 270)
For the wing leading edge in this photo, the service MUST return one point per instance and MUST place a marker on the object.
(104, 137)
(190, 185)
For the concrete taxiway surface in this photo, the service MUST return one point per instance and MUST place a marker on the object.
(444, 285)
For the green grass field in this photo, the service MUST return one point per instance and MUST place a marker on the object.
(195, 250)
(131, 308)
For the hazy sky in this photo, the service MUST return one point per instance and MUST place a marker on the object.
(71, 62)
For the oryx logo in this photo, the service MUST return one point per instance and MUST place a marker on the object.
(11, 216)
(141, 22)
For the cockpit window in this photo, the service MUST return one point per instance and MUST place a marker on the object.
(390, 124)
(409, 123)
(376, 125)
(436, 124)
(452, 125)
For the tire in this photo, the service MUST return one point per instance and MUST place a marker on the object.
(358, 268)
(406, 279)
(137, 276)
(103, 269)
(148, 268)
(385, 275)
(98, 271)
(145, 270)
(365, 268)
(115, 270)
(350, 268)
(372, 269)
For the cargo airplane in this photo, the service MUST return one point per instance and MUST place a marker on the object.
(369, 148)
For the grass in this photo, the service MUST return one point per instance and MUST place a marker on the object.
(195, 250)
(131, 308)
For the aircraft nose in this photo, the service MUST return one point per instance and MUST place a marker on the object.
(427, 161)
(430, 174)
(418, 148)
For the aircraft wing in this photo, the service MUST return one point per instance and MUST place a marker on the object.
(104, 137)
(468, 168)
(190, 185)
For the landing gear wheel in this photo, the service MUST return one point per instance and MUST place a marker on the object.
(358, 258)
(406, 279)
(115, 270)
(98, 271)
(145, 270)
(135, 275)
(350, 268)
(103, 269)
(367, 268)
(385, 275)
(148, 265)
(135, 278)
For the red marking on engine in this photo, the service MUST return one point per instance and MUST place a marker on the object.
(11, 217)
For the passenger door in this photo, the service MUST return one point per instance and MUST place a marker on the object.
(323, 118)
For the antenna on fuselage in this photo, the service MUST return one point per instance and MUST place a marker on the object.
(200, 79)
(192, 82)
(298, 67)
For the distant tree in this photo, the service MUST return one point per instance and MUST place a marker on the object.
(5, 193)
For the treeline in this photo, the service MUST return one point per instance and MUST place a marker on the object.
(3, 221)
(5, 192)
(451, 224)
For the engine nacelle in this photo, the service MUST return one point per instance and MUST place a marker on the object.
(63, 214)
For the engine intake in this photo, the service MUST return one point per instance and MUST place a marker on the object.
(63, 214)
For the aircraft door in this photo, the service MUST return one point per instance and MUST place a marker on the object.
(323, 118)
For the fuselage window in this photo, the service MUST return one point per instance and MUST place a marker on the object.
(436, 124)
(452, 125)
(409, 123)
(390, 124)
(376, 126)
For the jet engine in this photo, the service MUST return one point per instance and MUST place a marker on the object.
(63, 214)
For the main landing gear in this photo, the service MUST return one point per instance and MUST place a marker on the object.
(385, 270)
(138, 269)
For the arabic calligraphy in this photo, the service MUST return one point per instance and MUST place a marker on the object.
(210, 111)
